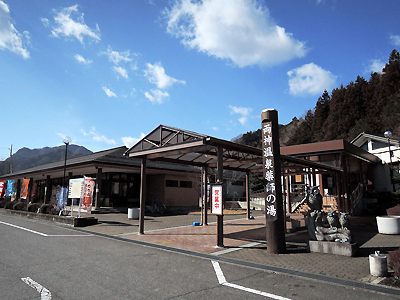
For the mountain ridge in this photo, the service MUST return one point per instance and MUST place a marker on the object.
(26, 158)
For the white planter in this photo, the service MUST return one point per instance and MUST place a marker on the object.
(133, 213)
(388, 224)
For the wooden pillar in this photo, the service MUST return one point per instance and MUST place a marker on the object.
(248, 194)
(47, 191)
(321, 187)
(275, 218)
(220, 218)
(201, 196)
(29, 199)
(143, 192)
(314, 178)
(18, 190)
(288, 203)
(338, 180)
(205, 209)
(345, 179)
(99, 179)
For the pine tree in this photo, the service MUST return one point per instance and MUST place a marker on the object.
(321, 113)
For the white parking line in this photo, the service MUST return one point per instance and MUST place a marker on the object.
(237, 248)
(222, 281)
(43, 234)
(22, 228)
(45, 294)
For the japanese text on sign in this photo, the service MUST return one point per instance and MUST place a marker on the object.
(269, 170)
(216, 199)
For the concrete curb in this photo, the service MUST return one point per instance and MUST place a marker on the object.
(71, 221)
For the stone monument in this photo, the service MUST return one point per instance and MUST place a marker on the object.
(328, 232)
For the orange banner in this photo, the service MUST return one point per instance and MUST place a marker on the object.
(24, 189)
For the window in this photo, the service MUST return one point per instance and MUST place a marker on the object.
(171, 183)
(186, 184)
(239, 183)
(115, 188)
(379, 145)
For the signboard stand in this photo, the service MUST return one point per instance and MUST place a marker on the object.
(274, 213)
(217, 209)
(82, 189)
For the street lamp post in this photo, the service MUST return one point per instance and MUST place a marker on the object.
(66, 141)
(388, 134)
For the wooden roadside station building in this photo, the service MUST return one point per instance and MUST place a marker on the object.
(117, 180)
(169, 144)
(154, 166)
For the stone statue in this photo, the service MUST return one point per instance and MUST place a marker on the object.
(336, 229)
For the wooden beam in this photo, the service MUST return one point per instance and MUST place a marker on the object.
(143, 192)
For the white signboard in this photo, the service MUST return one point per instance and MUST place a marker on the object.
(75, 188)
(216, 199)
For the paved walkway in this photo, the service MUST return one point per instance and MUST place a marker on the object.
(245, 240)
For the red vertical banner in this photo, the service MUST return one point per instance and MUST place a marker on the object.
(2, 183)
(216, 199)
(24, 189)
(34, 189)
(88, 188)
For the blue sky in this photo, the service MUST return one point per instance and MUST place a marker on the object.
(105, 73)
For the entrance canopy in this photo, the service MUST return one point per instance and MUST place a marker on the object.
(185, 147)
(179, 146)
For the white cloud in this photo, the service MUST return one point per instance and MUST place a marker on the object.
(67, 26)
(134, 67)
(395, 39)
(82, 60)
(109, 92)
(116, 57)
(121, 72)
(156, 96)
(45, 22)
(97, 137)
(241, 31)
(130, 141)
(376, 66)
(245, 112)
(102, 138)
(10, 38)
(310, 79)
(156, 75)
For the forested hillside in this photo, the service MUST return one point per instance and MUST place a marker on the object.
(362, 106)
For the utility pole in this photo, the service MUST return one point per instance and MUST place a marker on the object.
(10, 165)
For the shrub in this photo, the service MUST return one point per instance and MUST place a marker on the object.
(9, 204)
(33, 207)
(393, 211)
(19, 206)
(3, 202)
(48, 209)
(394, 262)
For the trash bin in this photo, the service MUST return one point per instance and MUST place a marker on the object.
(133, 213)
(378, 264)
